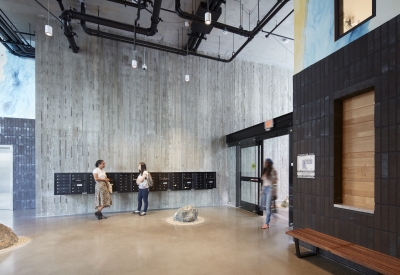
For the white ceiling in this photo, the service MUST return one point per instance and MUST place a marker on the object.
(271, 50)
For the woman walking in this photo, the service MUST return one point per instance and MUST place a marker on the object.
(102, 195)
(143, 189)
(269, 179)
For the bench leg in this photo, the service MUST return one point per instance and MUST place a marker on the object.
(304, 254)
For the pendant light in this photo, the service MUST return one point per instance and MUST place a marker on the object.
(187, 66)
(225, 31)
(134, 61)
(207, 16)
(48, 29)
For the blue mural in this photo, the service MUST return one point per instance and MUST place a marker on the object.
(320, 32)
(17, 86)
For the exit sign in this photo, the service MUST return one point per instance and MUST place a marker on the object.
(269, 124)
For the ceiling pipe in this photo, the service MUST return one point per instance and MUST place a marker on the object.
(131, 4)
(159, 47)
(279, 24)
(13, 40)
(231, 29)
(67, 15)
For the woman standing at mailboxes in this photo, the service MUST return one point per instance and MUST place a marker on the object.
(143, 189)
(102, 196)
(269, 179)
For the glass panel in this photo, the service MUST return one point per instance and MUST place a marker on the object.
(249, 192)
(6, 177)
(352, 13)
(249, 163)
(277, 149)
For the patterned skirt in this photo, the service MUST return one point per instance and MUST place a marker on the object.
(101, 195)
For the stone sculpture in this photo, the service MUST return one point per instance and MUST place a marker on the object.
(7, 237)
(186, 214)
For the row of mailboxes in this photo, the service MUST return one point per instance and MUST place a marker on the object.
(84, 183)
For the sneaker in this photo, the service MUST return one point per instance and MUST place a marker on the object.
(142, 213)
(136, 212)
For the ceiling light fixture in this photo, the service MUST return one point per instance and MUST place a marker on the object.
(207, 16)
(225, 31)
(134, 61)
(187, 66)
(48, 29)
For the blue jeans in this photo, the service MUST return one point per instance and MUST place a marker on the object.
(266, 202)
(143, 194)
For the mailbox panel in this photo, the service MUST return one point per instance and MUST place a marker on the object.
(62, 183)
(210, 180)
(199, 180)
(135, 187)
(163, 182)
(154, 176)
(187, 181)
(78, 183)
(91, 184)
(124, 183)
(176, 181)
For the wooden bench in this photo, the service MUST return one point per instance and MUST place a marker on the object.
(382, 263)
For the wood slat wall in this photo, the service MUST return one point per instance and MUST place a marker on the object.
(358, 151)
(93, 105)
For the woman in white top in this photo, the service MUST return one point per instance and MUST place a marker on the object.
(269, 179)
(143, 189)
(102, 196)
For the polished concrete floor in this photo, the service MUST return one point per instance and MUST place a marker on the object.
(229, 241)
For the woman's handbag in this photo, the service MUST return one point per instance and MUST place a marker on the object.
(109, 187)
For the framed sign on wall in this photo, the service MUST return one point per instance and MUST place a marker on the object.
(306, 166)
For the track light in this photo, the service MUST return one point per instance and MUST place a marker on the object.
(134, 63)
(48, 29)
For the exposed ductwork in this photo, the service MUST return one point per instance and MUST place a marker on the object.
(276, 8)
(12, 39)
(67, 15)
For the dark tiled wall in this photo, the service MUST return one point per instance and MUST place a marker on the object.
(371, 61)
(21, 134)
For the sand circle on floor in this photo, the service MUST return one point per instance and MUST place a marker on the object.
(21, 242)
(197, 221)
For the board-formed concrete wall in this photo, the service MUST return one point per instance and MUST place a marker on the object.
(94, 105)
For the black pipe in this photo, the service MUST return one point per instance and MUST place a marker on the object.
(68, 32)
(115, 24)
(279, 23)
(274, 34)
(61, 5)
(98, 33)
(198, 42)
(221, 26)
(137, 15)
(155, 17)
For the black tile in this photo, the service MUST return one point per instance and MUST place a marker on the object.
(385, 165)
(392, 85)
(392, 57)
(392, 165)
(384, 139)
(377, 39)
(370, 39)
(384, 113)
(392, 244)
(384, 218)
(384, 36)
(384, 86)
(392, 31)
(377, 63)
(392, 219)
(384, 242)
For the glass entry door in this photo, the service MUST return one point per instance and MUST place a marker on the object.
(250, 156)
